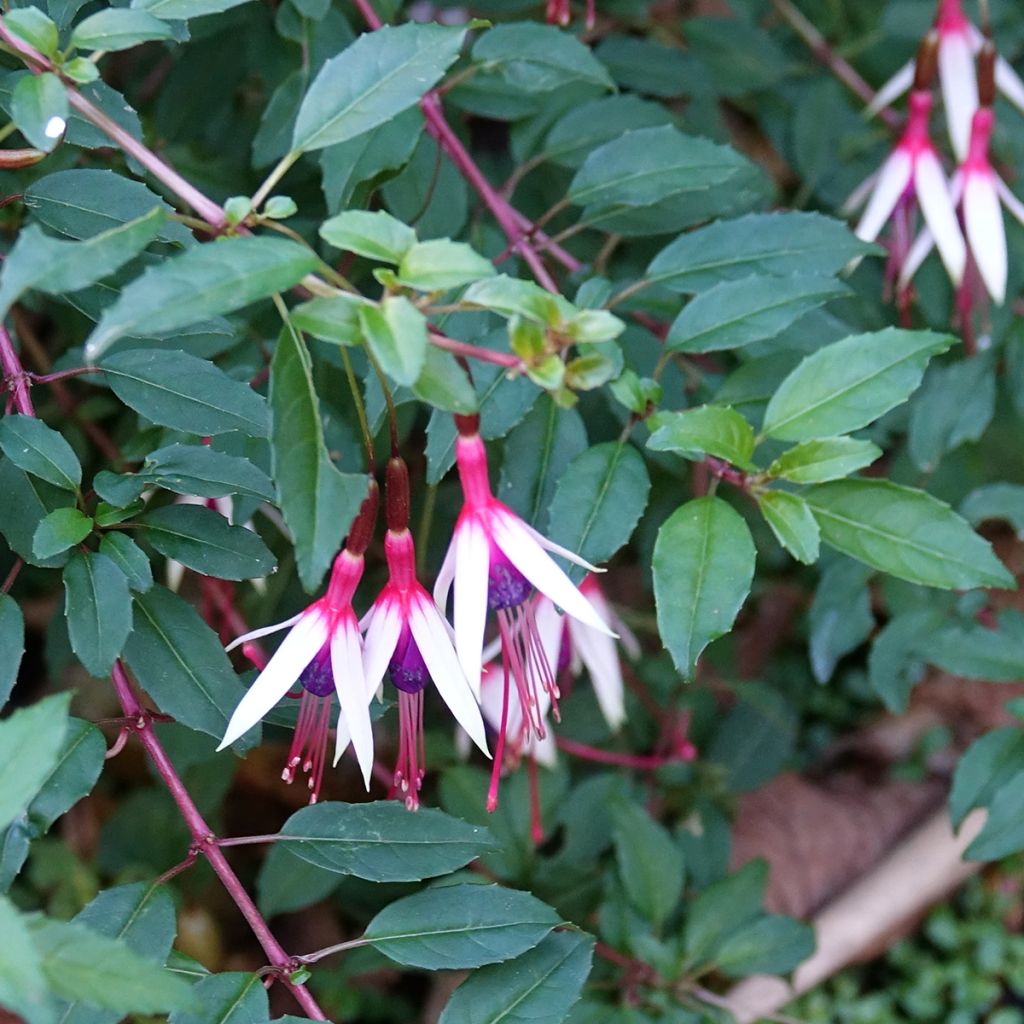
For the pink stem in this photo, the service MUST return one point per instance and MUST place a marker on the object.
(206, 842)
(14, 375)
(485, 355)
(642, 762)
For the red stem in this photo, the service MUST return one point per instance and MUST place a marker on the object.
(642, 762)
(484, 355)
(14, 374)
(206, 842)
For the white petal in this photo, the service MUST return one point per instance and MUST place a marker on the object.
(538, 567)
(347, 668)
(297, 650)
(983, 219)
(174, 573)
(1009, 83)
(472, 560)
(445, 577)
(551, 625)
(544, 751)
(263, 631)
(923, 245)
(601, 657)
(550, 545)
(380, 643)
(859, 196)
(959, 89)
(1012, 203)
(443, 665)
(892, 182)
(892, 90)
(937, 207)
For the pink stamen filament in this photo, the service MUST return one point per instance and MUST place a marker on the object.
(641, 762)
(309, 743)
(408, 779)
(499, 751)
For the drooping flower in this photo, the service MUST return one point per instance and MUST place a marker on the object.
(407, 637)
(504, 715)
(913, 172)
(323, 653)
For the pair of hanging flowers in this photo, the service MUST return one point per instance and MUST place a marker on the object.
(495, 563)
(962, 216)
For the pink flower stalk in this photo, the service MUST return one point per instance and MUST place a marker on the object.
(558, 12)
(913, 171)
(407, 636)
(323, 653)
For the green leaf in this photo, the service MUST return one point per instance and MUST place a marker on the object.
(55, 266)
(703, 566)
(737, 313)
(905, 532)
(989, 765)
(203, 471)
(1003, 831)
(205, 281)
(317, 501)
(29, 747)
(179, 10)
(756, 738)
(377, 236)
(36, 448)
(32, 25)
(898, 655)
(12, 643)
(711, 429)
(541, 984)
(598, 502)
(396, 332)
(443, 384)
(84, 202)
(851, 383)
(233, 997)
(119, 29)
(79, 963)
(674, 164)
(286, 883)
(24, 501)
(978, 652)
(177, 390)
(650, 863)
(589, 125)
(330, 319)
(453, 927)
(441, 264)
(840, 617)
(23, 988)
(509, 296)
(82, 755)
(61, 529)
(39, 107)
(98, 608)
(781, 244)
(381, 841)
(792, 522)
(830, 458)
(203, 540)
(996, 501)
(722, 910)
(770, 945)
(181, 664)
(376, 78)
(536, 58)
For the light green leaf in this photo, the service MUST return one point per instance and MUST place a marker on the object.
(443, 384)
(376, 78)
(905, 532)
(203, 540)
(317, 501)
(12, 643)
(60, 530)
(711, 429)
(381, 842)
(119, 29)
(32, 25)
(851, 383)
(792, 522)
(30, 743)
(39, 107)
(205, 281)
(541, 984)
(703, 566)
(33, 446)
(830, 458)
(509, 296)
(377, 236)
(98, 608)
(23, 989)
(396, 332)
(996, 501)
(330, 319)
(453, 927)
(177, 390)
(440, 264)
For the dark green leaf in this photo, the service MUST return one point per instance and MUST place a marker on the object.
(722, 910)
(831, 458)
(904, 532)
(202, 471)
(755, 739)
(381, 841)
(177, 390)
(1003, 831)
(792, 522)
(977, 652)
(34, 447)
(589, 125)
(650, 863)
(39, 107)
(899, 653)
(12, 643)
(769, 945)
(61, 529)
(205, 281)
(989, 764)
(287, 883)
(840, 616)
(180, 662)
(453, 927)
(229, 998)
(850, 383)
(396, 332)
(30, 743)
(24, 501)
(203, 540)
(703, 566)
(78, 766)
(119, 29)
(318, 502)
(179, 10)
(711, 429)
(541, 984)
(996, 501)
(98, 608)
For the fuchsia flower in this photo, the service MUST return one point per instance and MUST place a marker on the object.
(407, 636)
(522, 737)
(323, 653)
